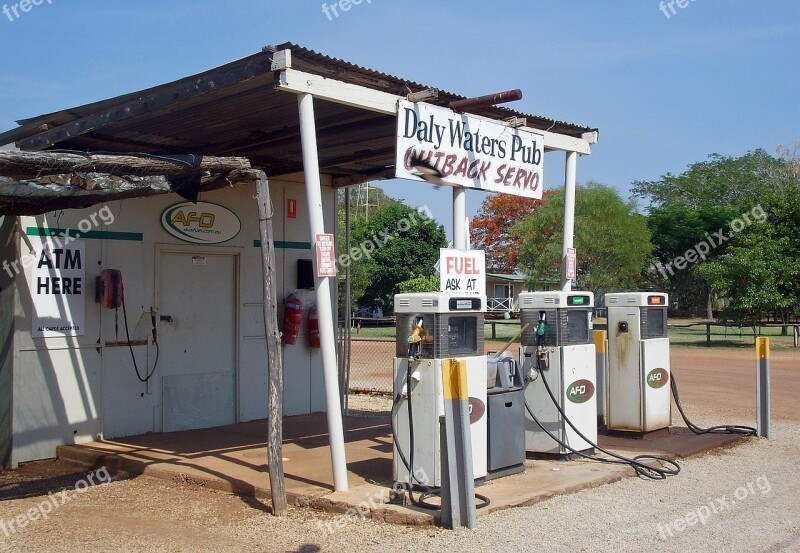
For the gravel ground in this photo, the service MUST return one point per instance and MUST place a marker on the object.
(752, 488)
(743, 498)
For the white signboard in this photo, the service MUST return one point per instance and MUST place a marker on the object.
(462, 271)
(469, 151)
(326, 256)
(201, 223)
(58, 287)
(572, 264)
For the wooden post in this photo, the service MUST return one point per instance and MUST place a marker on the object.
(274, 358)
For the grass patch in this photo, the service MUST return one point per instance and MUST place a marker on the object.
(679, 336)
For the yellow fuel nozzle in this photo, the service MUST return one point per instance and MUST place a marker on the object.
(415, 339)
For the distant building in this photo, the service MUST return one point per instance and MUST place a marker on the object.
(503, 290)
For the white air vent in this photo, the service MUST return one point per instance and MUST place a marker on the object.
(404, 303)
(428, 303)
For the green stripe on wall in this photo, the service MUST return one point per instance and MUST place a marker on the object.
(90, 235)
(281, 245)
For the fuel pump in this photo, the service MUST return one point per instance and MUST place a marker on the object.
(433, 327)
(639, 374)
(559, 350)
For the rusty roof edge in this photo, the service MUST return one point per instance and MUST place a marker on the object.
(31, 126)
(317, 59)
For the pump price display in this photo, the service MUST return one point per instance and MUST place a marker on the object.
(578, 300)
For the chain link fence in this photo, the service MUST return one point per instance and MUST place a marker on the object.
(371, 365)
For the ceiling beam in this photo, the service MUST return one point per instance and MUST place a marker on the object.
(563, 142)
(300, 82)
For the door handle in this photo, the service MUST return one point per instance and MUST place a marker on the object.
(166, 318)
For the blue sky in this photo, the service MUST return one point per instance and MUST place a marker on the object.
(717, 76)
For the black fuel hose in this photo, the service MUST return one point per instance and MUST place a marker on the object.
(148, 375)
(642, 469)
(721, 429)
(423, 489)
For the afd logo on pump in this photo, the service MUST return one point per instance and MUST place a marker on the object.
(201, 223)
(477, 409)
(657, 378)
(580, 391)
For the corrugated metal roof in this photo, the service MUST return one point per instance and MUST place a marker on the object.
(241, 114)
(396, 85)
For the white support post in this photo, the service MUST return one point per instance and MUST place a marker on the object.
(308, 138)
(569, 216)
(459, 218)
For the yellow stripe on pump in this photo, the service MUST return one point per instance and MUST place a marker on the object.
(454, 379)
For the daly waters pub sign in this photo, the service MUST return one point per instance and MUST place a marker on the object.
(469, 151)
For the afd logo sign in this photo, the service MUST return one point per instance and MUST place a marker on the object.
(580, 391)
(201, 223)
(657, 378)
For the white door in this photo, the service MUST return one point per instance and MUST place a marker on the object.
(197, 336)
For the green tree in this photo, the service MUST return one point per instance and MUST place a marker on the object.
(365, 201)
(722, 181)
(420, 284)
(760, 275)
(612, 239)
(399, 243)
(676, 231)
(696, 200)
(749, 280)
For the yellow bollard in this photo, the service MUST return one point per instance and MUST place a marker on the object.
(763, 388)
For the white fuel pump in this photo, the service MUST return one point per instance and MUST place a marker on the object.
(433, 327)
(558, 348)
(638, 384)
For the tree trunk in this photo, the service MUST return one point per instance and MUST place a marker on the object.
(32, 165)
(274, 358)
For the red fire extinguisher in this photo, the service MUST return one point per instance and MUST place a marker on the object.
(313, 327)
(292, 318)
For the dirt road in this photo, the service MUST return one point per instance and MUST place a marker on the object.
(720, 381)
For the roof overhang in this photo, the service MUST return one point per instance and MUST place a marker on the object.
(248, 108)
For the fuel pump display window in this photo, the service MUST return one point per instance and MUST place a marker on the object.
(656, 322)
(462, 335)
(577, 326)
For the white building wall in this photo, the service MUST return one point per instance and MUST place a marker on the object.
(71, 390)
